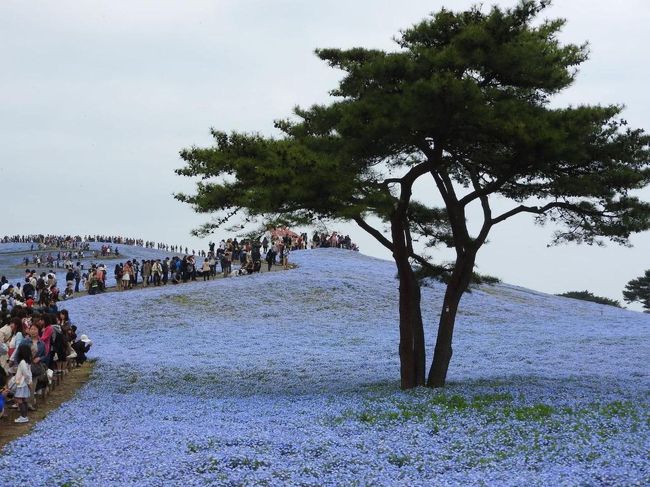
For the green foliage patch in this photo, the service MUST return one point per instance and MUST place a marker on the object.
(589, 296)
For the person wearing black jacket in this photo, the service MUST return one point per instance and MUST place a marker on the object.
(69, 277)
(77, 277)
(28, 289)
(165, 270)
(81, 347)
(270, 258)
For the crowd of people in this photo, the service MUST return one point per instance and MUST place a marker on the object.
(271, 249)
(38, 347)
(58, 260)
(206, 265)
(252, 256)
(298, 241)
(41, 242)
(337, 240)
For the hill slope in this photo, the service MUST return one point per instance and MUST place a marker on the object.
(291, 378)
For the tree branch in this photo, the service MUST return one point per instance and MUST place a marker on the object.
(389, 245)
(538, 210)
(374, 232)
(485, 204)
(481, 192)
(415, 172)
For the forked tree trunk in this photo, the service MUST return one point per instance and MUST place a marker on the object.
(460, 279)
(411, 330)
(411, 346)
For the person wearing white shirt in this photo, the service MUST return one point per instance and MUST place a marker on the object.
(23, 380)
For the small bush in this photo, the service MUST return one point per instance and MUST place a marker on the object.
(588, 296)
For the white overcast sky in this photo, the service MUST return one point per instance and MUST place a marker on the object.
(98, 97)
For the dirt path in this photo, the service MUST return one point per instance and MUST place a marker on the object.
(141, 287)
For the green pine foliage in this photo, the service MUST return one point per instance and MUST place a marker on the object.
(589, 296)
(638, 291)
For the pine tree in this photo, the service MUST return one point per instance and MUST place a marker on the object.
(462, 107)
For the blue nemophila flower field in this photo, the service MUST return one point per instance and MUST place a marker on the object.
(291, 378)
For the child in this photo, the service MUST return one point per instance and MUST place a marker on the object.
(23, 380)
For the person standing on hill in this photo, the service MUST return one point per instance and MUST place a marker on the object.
(101, 272)
(191, 267)
(284, 253)
(165, 270)
(118, 273)
(51, 280)
(28, 289)
(270, 258)
(185, 276)
(146, 272)
(205, 270)
(256, 256)
(23, 380)
(39, 338)
(226, 263)
(156, 271)
(40, 286)
(235, 248)
(127, 272)
(136, 268)
(77, 277)
(69, 277)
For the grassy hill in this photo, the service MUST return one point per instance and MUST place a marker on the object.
(291, 378)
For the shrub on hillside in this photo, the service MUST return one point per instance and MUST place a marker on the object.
(588, 296)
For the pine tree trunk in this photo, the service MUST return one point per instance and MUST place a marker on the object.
(443, 351)
(411, 346)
